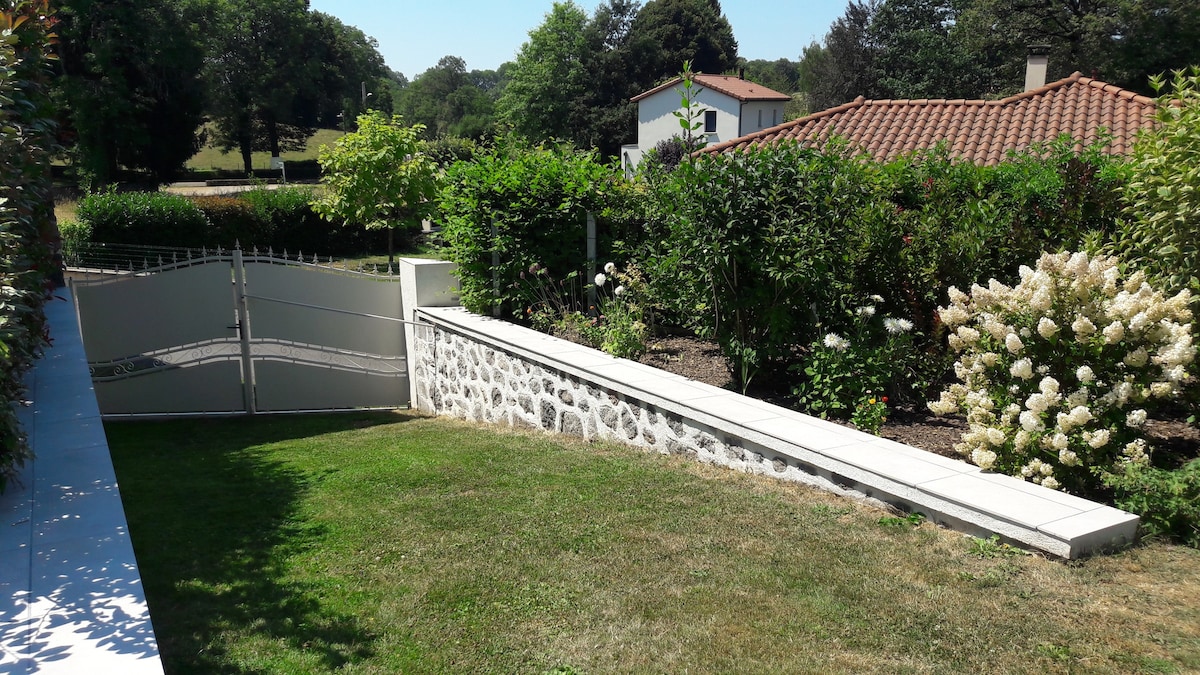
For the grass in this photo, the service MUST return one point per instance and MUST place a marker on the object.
(384, 543)
(211, 157)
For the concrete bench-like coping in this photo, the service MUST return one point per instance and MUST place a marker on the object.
(947, 491)
(72, 593)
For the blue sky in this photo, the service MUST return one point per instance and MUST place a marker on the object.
(414, 35)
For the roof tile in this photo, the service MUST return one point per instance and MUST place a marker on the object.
(979, 131)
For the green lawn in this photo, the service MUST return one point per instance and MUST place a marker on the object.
(387, 543)
(211, 157)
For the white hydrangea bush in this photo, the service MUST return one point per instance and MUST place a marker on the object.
(1058, 374)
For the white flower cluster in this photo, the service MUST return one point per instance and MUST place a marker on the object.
(1057, 372)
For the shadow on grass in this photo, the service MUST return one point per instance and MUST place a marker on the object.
(214, 520)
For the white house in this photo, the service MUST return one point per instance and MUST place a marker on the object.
(732, 108)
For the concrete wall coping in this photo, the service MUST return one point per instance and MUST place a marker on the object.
(946, 490)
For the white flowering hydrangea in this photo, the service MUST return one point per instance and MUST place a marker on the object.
(1059, 373)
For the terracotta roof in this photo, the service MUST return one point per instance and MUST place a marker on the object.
(742, 90)
(980, 131)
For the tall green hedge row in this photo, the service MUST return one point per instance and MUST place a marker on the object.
(27, 228)
(766, 250)
(279, 219)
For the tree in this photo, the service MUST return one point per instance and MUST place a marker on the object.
(845, 67)
(920, 53)
(130, 85)
(378, 177)
(340, 62)
(674, 31)
(449, 101)
(255, 78)
(548, 76)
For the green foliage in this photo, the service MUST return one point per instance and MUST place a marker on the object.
(231, 219)
(767, 250)
(908, 522)
(841, 374)
(145, 218)
(1162, 236)
(870, 414)
(131, 86)
(992, 548)
(741, 248)
(538, 199)
(1167, 500)
(379, 176)
(548, 76)
(28, 233)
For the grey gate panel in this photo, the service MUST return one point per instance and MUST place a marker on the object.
(241, 333)
(325, 339)
(163, 342)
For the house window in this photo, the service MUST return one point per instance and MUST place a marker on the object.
(760, 118)
(710, 121)
(774, 116)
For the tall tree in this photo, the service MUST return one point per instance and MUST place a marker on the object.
(130, 85)
(919, 53)
(450, 101)
(548, 76)
(674, 31)
(343, 64)
(846, 66)
(255, 76)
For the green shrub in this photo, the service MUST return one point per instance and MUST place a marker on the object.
(1167, 500)
(1162, 235)
(538, 199)
(75, 234)
(27, 225)
(841, 371)
(294, 226)
(146, 218)
(232, 221)
(1059, 373)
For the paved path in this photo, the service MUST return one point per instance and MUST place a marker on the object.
(71, 598)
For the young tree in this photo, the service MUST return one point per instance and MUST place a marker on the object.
(378, 177)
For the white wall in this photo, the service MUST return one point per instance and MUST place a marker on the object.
(657, 123)
(759, 115)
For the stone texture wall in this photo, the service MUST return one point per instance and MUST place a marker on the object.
(459, 376)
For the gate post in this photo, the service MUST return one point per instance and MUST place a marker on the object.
(591, 261)
(243, 326)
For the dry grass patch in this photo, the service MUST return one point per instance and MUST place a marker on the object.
(393, 543)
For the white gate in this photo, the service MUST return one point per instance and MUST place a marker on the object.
(247, 333)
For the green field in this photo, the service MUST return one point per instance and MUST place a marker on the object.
(210, 157)
(395, 543)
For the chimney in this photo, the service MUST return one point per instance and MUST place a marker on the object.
(1035, 66)
(741, 73)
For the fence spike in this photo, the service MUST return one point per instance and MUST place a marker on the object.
(254, 251)
(316, 260)
(237, 244)
(300, 256)
(285, 256)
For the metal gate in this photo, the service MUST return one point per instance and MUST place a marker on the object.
(249, 333)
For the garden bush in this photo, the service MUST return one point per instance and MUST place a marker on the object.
(28, 233)
(538, 199)
(146, 218)
(231, 221)
(1162, 234)
(1059, 373)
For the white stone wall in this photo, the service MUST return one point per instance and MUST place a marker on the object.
(460, 377)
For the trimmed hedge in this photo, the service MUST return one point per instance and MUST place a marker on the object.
(281, 219)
